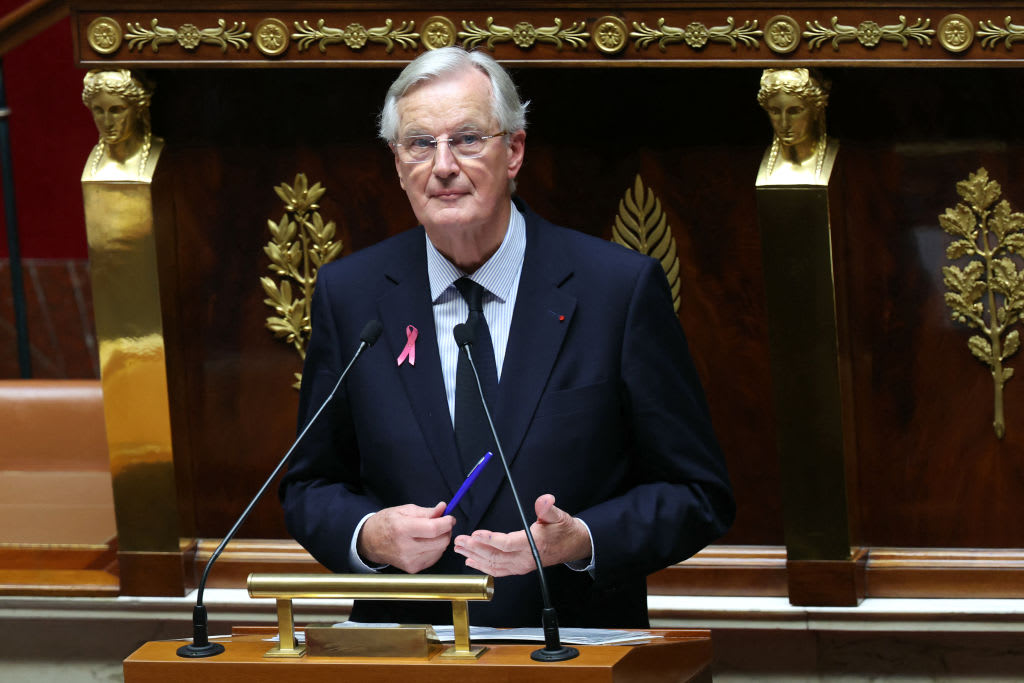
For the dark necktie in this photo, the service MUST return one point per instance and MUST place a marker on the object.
(472, 433)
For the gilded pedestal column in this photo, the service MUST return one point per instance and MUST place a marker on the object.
(823, 565)
(117, 186)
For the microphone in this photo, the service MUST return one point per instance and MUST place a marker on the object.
(553, 650)
(201, 645)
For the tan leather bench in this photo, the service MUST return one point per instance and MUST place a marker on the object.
(56, 500)
(52, 425)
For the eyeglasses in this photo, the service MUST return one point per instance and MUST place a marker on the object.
(469, 144)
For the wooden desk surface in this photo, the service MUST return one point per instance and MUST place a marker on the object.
(681, 655)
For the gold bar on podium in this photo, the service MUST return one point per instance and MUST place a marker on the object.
(457, 588)
(460, 621)
(287, 645)
(418, 641)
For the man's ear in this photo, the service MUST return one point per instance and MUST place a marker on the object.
(516, 152)
(398, 165)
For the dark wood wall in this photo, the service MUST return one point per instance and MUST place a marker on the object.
(930, 470)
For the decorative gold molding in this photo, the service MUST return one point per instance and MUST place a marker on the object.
(300, 244)
(524, 34)
(782, 34)
(438, 32)
(271, 37)
(610, 35)
(189, 36)
(104, 35)
(869, 33)
(992, 236)
(642, 226)
(956, 32)
(991, 35)
(697, 35)
(356, 36)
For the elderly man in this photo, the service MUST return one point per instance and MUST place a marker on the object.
(583, 362)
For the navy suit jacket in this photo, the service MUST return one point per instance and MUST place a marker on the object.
(598, 404)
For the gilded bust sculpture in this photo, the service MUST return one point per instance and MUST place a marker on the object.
(119, 103)
(801, 152)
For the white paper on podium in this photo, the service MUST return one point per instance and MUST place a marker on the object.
(488, 634)
(573, 636)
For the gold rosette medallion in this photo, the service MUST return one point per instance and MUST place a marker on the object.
(104, 35)
(782, 34)
(438, 32)
(271, 37)
(956, 32)
(610, 35)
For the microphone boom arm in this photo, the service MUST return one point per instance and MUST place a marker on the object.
(553, 650)
(201, 645)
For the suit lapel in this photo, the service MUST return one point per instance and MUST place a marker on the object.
(408, 303)
(543, 315)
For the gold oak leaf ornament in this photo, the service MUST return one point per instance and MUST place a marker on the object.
(300, 243)
(642, 226)
(987, 293)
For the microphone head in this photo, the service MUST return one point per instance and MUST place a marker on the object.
(371, 332)
(463, 335)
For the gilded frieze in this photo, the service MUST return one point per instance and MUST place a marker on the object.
(355, 35)
(301, 242)
(869, 33)
(627, 36)
(524, 34)
(696, 34)
(642, 226)
(987, 293)
(189, 36)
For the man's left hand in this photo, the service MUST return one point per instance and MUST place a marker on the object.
(560, 538)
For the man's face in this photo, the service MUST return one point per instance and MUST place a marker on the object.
(458, 199)
(114, 118)
(790, 118)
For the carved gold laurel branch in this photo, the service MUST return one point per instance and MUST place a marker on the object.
(356, 36)
(189, 36)
(987, 294)
(868, 33)
(524, 34)
(300, 243)
(642, 226)
(696, 34)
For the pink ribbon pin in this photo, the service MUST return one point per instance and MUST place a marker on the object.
(410, 346)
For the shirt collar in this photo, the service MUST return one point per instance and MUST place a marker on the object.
(496, 275)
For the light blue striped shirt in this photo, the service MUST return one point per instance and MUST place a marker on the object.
(499, 276)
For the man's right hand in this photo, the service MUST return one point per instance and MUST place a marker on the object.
(409, 537)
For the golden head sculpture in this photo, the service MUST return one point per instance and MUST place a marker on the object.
(795, 100)
(119, 102)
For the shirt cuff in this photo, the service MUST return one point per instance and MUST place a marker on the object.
(356, 562)
(585, 565)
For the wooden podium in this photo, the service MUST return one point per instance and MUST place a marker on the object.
(679, 655)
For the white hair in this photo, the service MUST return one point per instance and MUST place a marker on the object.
(506, 106)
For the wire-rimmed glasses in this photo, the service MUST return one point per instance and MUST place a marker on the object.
(467, 144)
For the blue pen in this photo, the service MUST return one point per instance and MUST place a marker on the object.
(470, 478)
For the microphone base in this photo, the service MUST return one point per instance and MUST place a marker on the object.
(560, 654)
(193, 651)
